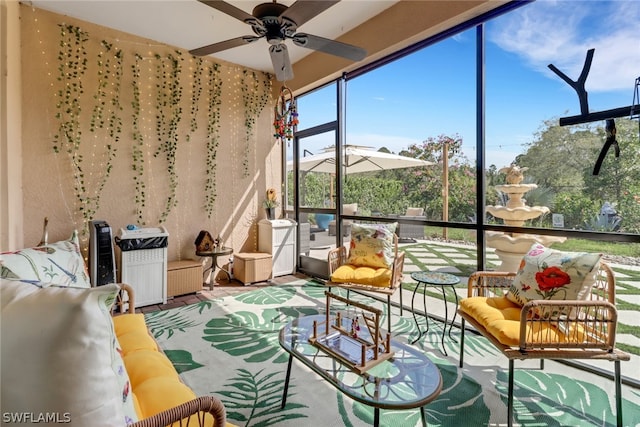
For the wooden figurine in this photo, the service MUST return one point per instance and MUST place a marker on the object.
(205, 242)
(347, 342)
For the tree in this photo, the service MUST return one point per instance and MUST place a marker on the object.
(558, 155)
(383, 194)
(562, 158)
(424, 185)
(619, 179)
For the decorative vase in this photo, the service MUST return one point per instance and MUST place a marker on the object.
(271, 213)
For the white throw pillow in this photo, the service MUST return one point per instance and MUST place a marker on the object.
(60, 356)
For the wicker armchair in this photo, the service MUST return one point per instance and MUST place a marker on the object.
(197, 412)
(338, 257)
(586, 332)
(410, 232)
(349, 209)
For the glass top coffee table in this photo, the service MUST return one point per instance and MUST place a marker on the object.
(406, 381)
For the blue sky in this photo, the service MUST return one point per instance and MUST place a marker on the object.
(432, 92)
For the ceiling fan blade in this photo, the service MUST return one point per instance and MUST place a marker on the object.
(281, 62)
(303, 10)
(231, 10)
(331, 47)
(220, 46)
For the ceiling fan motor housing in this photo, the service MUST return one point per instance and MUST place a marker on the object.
(273, 27)
(277, 22)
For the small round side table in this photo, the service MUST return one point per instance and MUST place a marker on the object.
(439, 280)
(214, 255)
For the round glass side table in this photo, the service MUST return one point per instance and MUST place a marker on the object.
(214, 255)
(435, 279)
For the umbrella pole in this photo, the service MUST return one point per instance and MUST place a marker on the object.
(331, 196)
(445, 188)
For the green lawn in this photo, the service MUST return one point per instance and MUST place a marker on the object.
(576, 245)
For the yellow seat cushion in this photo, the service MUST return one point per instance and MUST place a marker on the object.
(136, 405)
(145, 364)
(370, 276)
(161, 393)
(124, 323)
(155, 384)
(501, 318)
(132, 333)
(136, 340)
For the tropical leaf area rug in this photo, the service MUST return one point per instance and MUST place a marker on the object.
(229, 348)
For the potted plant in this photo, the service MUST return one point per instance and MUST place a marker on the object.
(270, 203)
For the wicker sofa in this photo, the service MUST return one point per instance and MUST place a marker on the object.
(67, 355)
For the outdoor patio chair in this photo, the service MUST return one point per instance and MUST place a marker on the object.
(411, 232)
(582, 327)
(348, 209)
(372, 264)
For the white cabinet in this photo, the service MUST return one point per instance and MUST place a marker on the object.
(278, 238)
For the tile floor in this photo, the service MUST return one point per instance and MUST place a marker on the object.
(221, 289)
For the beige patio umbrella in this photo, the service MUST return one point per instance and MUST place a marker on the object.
(358, 159)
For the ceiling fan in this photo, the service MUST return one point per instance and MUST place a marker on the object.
(277, 22)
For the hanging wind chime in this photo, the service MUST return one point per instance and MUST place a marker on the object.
(285, 115)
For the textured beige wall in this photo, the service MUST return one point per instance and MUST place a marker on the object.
(10, 127)
(48, 177)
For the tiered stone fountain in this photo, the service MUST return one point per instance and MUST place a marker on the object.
(511, 247)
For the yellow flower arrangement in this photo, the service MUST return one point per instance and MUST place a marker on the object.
(272, 199)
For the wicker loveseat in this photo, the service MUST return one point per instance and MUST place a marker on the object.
(575, 328)
(66, 357)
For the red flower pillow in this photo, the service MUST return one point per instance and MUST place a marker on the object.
(550, 274)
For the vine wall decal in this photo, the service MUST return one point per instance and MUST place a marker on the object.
(214, 86)
(139, 133)
(169, 95)
(256, 93)
(137, 163)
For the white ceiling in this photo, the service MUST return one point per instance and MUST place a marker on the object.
(189, 24)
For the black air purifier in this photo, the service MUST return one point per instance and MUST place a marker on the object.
(102, 262)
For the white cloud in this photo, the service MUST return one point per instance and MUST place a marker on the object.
(560, 33)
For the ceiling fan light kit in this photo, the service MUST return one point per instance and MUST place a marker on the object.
(276, 22)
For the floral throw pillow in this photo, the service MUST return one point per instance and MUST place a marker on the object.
(372, 245)
(548, 274)
(59, 263)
